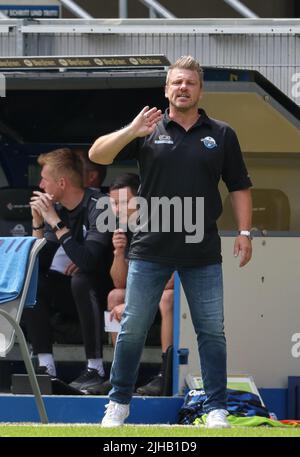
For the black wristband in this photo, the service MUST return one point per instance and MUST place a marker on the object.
(40, 227)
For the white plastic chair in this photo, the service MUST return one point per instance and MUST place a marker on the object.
(10, 316)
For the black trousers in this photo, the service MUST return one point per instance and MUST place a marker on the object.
(81, 296)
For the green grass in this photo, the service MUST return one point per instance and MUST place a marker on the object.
(92, 430)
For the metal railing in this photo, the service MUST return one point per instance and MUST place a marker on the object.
(242, 9)
(75, 9)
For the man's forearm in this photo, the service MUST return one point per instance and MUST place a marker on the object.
(38, 233)
(38, 226)
(118, 271)
(88, 257)
(107, 147)
(242, 207)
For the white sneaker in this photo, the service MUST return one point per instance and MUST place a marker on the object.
(217, 419)
(115, 414)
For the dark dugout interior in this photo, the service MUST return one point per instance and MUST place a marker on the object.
(44, 111)
(73, 116)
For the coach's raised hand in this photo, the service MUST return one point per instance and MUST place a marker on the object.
(107, 147)
(145, 122)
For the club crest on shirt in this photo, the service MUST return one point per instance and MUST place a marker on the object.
(209, 142)
(164, 139)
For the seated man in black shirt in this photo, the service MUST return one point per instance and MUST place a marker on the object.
(94, 174)
(122, 192)
(65, 213)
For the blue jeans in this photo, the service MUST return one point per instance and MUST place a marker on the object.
(203, 287)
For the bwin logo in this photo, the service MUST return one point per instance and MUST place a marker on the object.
(209, 142)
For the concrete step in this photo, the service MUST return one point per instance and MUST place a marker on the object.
(75, 353)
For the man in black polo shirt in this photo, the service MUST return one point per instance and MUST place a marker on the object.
(181, 155)
(74, 264)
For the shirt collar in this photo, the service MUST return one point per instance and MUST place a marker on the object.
(203, 119)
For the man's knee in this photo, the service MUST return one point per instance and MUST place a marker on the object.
(115, 297)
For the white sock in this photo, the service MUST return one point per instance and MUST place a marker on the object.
(47, 360)
(97, 364)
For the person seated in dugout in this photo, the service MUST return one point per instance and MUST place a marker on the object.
(122, 190)
(94, 174)
(66, 329)
(74, 263)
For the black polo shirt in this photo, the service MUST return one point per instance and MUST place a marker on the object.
(175, 162)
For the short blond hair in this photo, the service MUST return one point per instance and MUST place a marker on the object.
(64, 162)
(187, 63)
